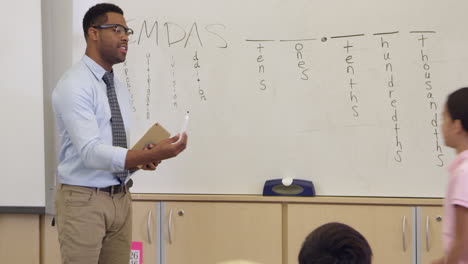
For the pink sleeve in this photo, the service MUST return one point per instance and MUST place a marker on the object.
(460, 187)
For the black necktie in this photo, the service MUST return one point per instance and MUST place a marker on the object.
(119, 137)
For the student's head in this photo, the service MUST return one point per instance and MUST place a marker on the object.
(106, 34)
(335, 243)
(455, 118)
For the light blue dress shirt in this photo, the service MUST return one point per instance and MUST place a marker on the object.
(87, 157)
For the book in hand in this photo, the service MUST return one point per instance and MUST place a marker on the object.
(155, 134)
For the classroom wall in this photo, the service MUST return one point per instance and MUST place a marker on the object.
(57, 21)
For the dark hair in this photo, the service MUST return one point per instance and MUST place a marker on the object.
(96, 15)
(335, 243)
(457, 106)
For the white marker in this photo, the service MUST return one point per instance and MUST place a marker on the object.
(185, 124)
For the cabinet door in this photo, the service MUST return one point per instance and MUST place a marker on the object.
(205, 232)
(50, 247)
(19, 238)
(430, 230)
(145, 222)
(387, 228)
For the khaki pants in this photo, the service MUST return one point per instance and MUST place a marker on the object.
(94, 227)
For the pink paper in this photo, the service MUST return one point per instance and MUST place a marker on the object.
(136, 255)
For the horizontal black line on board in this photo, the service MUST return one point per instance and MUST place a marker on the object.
(296, 40)
(349, 36)
(344, 36)
(258, 40)
(386, 33)
(361, 125)
(422, 31)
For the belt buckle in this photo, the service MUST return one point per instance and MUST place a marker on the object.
(112, 190)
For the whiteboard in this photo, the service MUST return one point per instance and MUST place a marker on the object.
(347, 94)
(21, 110)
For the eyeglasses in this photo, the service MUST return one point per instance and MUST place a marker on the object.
(117, 28)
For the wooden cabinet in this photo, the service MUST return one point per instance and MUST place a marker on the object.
(50, 247)
(206, 231)
(265, 232)
(430, 233)
(211, 232)
(145, 229)
(388, 229)
(19, 238)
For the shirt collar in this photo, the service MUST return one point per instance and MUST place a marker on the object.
(95, 68)
(460, 158)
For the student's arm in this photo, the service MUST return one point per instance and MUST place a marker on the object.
(166, 149)
(459, 248)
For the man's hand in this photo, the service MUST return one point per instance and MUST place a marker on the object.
(152, 155)
(150, 166)
(170, 147)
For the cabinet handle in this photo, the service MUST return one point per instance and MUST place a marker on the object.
(427, 233)
(404, 233)
(169, 227)
(148, 227)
